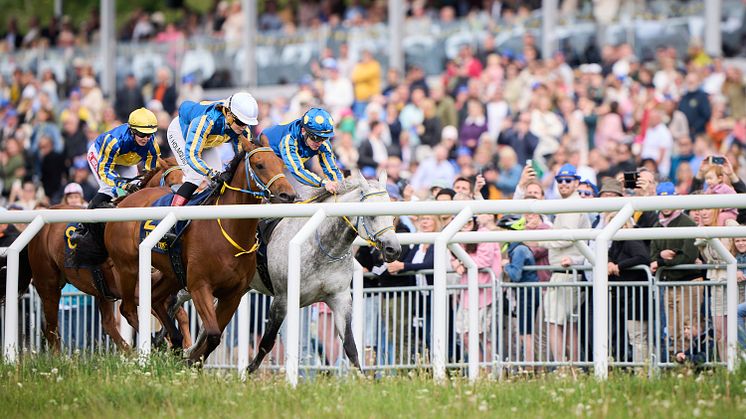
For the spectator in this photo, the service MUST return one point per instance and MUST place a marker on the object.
(485, 255)
(12, 164)
(519, 137)
(51, 169)
(624, 255)
(510, 171)
(695, 104)
(445, 107)
(560, 304)
(433, 169)
(73, 195)
(91, 97)
(366, 79)
(75, 139)
(129, 97)
(164, 91)
(373, 152)
(474, 125)
(658, 143)
(338, 90)
(518, 257)
(27, 197)
(671, 252)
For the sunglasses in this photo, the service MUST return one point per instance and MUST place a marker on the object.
(139, 134)
(585, 193)
(565, 180)
(238, 122)
(316, 138)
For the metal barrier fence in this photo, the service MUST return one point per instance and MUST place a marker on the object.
(649, 322)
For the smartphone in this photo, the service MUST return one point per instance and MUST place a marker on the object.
(717, 160)
(630, 180)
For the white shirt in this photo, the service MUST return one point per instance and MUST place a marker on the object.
(657, 138)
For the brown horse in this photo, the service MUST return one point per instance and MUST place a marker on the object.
(46, 254)
(213, 267)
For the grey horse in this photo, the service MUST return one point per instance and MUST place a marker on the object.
(326, 261)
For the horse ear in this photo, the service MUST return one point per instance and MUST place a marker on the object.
(245, 143)
(383, 178)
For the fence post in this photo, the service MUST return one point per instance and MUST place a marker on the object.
(731, 300)
(440, 309)
(601, 292)
(473, 293)
(358, 308)
(145, 284)
(243, 335)
(11, 289)
(293, 298)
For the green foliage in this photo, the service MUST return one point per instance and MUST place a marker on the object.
(111, 386)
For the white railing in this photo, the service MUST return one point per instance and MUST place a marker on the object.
(317, 212)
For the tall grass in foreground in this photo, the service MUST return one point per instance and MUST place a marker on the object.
(109, 386)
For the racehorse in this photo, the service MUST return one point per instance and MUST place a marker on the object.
(326, 262)
(208, 247)
(46, 254)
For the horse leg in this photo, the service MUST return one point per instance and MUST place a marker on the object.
(204, 302)
(50, 293)
(106, 308)
(277, 313)
(128, 286)
(161, 312)
(341, 305)
(182, 318)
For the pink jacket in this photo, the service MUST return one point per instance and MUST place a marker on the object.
(486, 256)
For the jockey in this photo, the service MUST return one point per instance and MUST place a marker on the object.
(114, 155)
(302, 139)
(199, 128)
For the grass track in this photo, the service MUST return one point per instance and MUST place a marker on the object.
(113, 387)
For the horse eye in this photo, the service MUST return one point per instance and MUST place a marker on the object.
(260, 166)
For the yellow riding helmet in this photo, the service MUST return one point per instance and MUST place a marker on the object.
(143, 120)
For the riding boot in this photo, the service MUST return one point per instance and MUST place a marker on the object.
(182, 196)
(83, 229)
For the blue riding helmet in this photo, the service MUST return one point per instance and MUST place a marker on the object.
(319, 123)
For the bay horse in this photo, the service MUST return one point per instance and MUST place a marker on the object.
(326, 262)
(46, 256)
(208, 247)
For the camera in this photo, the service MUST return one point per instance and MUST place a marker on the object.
(630, 180)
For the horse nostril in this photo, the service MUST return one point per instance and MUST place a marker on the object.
(286, 197)
(389, 250)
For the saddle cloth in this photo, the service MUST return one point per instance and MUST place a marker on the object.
(70, 253)
(149, 225)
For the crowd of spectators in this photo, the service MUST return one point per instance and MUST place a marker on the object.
(494, 125)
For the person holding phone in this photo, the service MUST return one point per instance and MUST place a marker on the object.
(720, 171)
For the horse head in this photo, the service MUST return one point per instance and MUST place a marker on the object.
(264, 171)
(378, 229)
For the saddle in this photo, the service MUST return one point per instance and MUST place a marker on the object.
(88, 252)
(264, 230)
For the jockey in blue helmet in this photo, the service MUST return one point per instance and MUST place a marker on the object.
(302, 139)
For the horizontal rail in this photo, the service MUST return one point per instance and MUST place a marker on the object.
(336, 209)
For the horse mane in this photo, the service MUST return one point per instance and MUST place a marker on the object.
(347, 185)
(233, 165)
(163, 164)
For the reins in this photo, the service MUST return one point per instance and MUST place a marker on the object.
(264, 193)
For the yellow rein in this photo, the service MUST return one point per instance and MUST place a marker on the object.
(230, 240)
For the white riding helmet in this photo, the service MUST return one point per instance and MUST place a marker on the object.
(244, 107)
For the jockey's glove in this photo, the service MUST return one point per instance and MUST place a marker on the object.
(119, 192)
(132, 186)
(219, 178)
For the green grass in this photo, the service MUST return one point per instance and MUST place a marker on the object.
(43, 386)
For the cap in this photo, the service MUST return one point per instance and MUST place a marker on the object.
(612, 186)
(80, 163)
(440, 183)
(73, 188)
(665, 189)
(567, 170)
(591, 184)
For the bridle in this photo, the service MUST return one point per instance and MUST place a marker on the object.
(264, 191)
(372, 238)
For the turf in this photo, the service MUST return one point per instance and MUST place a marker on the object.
(108, 386)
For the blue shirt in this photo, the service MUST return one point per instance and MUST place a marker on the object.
(203, 126)
(287, 142)
(520, 255)
(118, 147)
